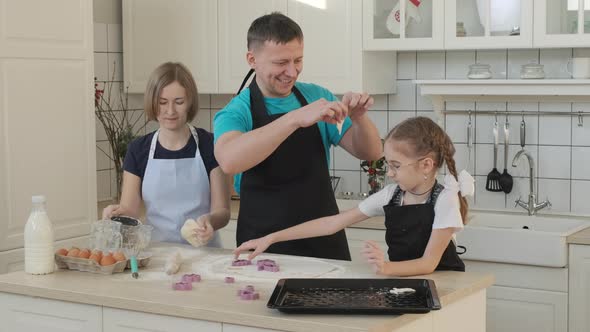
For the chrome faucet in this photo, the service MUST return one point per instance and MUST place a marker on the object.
(532, 206)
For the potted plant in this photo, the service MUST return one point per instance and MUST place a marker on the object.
(375, 170)
(118, 121)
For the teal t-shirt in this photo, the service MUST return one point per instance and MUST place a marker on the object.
(236, 116)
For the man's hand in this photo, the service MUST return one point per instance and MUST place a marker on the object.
(358, 104)
(320, 110)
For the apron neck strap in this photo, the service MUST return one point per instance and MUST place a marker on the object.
(155, 140)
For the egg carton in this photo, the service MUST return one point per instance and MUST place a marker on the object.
(88, 265)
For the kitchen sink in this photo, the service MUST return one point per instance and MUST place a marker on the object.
(519, 239)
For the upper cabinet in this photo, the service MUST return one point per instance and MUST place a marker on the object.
(485, 24)
(156, 31)
(475, 24)
(210, 38)
(562, 23)
(235, 17)
(403, 25)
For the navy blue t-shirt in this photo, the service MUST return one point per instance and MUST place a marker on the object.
(138, 151)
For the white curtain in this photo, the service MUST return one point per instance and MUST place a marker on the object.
(505, 14)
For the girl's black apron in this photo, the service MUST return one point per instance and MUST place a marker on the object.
(408, 230)
(289, 187)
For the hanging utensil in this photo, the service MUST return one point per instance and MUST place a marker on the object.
(506, 181)
(469, 140)
(522, 132)
(493, 179)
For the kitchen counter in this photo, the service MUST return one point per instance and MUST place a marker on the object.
(581, 237)
(462, 297)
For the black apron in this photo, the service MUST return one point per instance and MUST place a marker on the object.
(288, 188)
(408, 230)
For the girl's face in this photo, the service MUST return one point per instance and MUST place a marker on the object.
(173, 107)
(403, 167)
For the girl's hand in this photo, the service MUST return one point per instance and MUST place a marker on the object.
(374, 256)
(204, 231)
(259, 245)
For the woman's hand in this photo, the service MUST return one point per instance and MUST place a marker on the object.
(374, 256)
(111, 211)
(259, 245)
(204, 231)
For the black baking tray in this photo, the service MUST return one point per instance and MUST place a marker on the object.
(353, 296)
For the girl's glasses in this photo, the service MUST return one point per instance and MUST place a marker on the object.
(389, 166)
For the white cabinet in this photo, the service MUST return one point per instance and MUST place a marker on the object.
(485, 24)
(119, 320)
(579, 288)
(235, 17)
(26, 313)
(210, 38)
(157, 31)
(47, 140)
(394, 25)
(518, 309)
(562, 23)
(524, 297)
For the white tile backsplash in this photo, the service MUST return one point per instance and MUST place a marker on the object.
(555, 130)
(100, 37)
(101, 66)
(349, 180)
(345, 161)
(558, 193)
(405, 98)
(497, 61)
(406, 65)
(430, 65)
(554, 162)
(580, 162)
(379, 118)
(115, 66)
(457, 64)
(379, 102)
(396, 117)
(115, 38)
(555, 62)
(580, 190)
(486, 199)
(580, 134)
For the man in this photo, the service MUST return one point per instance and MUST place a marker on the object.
(278, 133)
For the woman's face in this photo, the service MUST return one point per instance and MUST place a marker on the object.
(402, 167)
(173, 106)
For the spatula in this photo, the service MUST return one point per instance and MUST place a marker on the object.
(493, 179)
(506, 181)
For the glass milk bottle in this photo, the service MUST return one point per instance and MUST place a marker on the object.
(39, 257)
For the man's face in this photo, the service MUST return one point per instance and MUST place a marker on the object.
(277, 66)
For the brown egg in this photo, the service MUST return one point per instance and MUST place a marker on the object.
(84, 253)
(119, 256)
(97, 252)
(73, 252)
(62, 252)
(107, 260)
(95, 257)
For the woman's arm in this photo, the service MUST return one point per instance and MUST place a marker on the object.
(131, 201)
(317, 227)
(220, 197)
(437, 244)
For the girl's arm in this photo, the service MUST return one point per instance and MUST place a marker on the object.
(220, 196)
(437, 244)
(131, 201)
(317, 227)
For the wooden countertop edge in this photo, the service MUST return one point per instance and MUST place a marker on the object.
(581, 237)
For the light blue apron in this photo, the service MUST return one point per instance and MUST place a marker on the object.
(173, 191)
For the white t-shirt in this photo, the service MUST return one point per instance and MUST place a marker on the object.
(447, 213)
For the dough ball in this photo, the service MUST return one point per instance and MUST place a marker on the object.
(188, 232)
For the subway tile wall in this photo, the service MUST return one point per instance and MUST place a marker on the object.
(559, 146)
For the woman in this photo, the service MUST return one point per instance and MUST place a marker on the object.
(173, 170)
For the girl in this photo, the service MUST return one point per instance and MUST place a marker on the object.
(172, 170)
(421, 215)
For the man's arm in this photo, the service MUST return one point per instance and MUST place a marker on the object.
(362, 139)
(237, 152)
